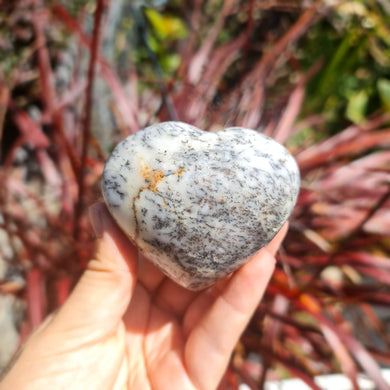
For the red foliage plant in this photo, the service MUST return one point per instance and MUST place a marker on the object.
(321, 313)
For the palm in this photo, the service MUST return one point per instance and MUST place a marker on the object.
(163, 324)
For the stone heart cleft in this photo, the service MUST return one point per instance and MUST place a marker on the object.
(199, 204)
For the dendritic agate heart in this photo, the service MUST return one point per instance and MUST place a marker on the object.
(199, 204)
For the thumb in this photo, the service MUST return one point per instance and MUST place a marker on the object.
(102, 295)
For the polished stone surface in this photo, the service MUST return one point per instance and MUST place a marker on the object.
(199, 204)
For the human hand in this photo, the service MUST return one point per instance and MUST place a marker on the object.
(127, 326)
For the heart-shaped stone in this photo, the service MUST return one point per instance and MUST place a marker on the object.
(199, 204)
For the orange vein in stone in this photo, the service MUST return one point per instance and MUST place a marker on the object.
(151, 176)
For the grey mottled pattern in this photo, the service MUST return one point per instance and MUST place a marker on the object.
(199, 204)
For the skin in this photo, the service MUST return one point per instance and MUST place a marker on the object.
(126, 326)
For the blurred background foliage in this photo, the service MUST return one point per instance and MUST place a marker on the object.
(78, 76)
(354, 82)
(352, 40)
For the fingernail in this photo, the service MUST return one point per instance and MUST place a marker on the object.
(95, 216)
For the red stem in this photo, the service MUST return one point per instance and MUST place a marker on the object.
(127, 110)
(96, 39)
(35, 298)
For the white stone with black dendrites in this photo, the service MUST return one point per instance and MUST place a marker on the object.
(199, 204)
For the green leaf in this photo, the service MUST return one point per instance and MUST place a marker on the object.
(165, 26)
(383, 86)
(356, 108)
